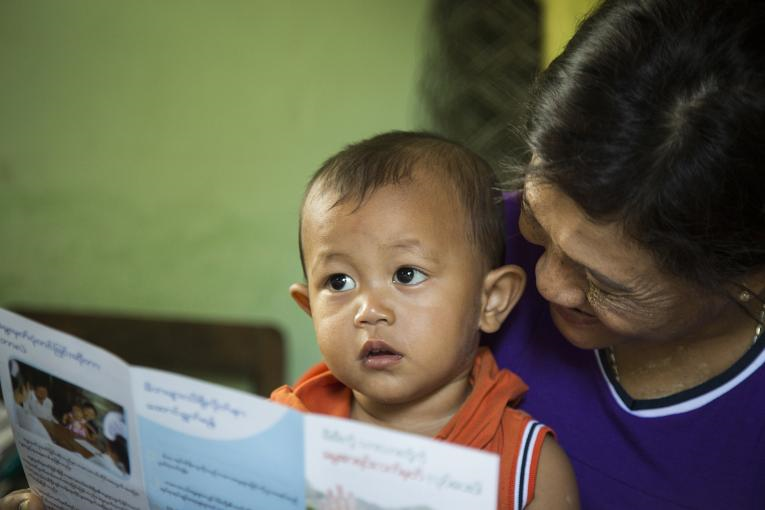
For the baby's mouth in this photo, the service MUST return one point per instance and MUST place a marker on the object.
(378, 354)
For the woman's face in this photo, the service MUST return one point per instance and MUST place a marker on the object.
(603, 288)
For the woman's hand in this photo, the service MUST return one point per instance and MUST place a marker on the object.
(21, 500)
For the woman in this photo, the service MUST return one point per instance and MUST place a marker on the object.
(646, 198)
(646, 194)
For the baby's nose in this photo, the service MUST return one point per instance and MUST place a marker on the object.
(373, 310)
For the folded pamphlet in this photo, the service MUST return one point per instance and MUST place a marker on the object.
(96, 433)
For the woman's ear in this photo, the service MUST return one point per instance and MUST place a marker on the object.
(299, 293)
(502, 288)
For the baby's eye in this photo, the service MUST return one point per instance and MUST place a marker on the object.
(409, 276)
(341, 282)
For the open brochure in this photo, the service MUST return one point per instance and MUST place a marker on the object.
(95, 432)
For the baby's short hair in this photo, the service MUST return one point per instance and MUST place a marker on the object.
(392, 158)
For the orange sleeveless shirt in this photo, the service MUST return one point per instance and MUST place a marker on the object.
(485, 420)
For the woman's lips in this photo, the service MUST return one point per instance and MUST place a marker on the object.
(574, 316)
(377, 354)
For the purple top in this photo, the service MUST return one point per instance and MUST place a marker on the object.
(701, 448)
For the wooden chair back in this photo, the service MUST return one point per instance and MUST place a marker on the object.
(246, 356)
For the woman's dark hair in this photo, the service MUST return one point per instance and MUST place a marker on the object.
(654, 117)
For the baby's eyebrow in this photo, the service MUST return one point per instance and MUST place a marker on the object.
(330, 255)
(411, 245)
(405, 244)
(326, 257)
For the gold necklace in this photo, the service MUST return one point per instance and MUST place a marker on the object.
(612, 362)
(743, 297)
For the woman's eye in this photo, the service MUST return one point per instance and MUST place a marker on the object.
(595, 295)
(341, 282)
(409, 276)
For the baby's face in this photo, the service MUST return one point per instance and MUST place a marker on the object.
(89, 413)
(77, 412)
(394, 288)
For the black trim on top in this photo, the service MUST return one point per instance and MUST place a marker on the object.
(524, 458)
(685, 395)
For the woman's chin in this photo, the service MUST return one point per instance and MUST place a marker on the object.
(582, 330)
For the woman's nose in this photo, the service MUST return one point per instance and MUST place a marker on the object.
(560, 281)
(373, 309)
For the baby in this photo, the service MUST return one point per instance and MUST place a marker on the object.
(401, 241)
(76, 422)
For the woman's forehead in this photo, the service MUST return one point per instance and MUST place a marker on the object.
(601, 247)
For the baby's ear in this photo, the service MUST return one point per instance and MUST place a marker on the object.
(299, 293)
(502, 288)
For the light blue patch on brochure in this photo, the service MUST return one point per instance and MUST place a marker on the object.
(262, 471)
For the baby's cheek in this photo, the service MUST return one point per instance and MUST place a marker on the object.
(333, 336)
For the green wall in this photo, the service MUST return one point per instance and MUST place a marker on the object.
(153, 153)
